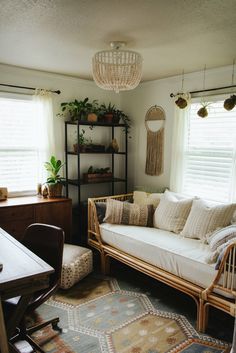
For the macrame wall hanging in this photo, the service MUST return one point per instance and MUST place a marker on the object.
(155, 142)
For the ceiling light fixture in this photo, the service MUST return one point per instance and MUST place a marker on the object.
(117, 70)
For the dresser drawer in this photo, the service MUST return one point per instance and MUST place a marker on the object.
(17, 228)
(14, 213)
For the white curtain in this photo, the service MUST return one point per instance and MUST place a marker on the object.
(180, 130)
(45, 130)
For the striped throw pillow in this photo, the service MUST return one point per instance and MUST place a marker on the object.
(172, 213)
(205, 219)
(221, 236)
(118, 212)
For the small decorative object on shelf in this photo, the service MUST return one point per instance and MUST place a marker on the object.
(44, 191)
(39, 189)
(113, 146)
(97, 174)
(54, 181)
(3, 194)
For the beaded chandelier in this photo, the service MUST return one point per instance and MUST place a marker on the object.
(117, 70)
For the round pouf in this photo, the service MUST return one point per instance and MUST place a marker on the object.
(77, 263)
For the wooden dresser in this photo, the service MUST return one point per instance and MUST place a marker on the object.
(19, 212)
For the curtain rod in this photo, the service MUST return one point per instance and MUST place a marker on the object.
(25, 87)
(204, 90)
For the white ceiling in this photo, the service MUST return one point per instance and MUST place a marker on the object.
(62, 35)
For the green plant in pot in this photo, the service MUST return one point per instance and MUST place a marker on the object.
(79, 110)
(83, 142)
(107, 112)
(54, 181)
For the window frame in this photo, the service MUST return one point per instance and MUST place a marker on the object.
(19, 97)
(194, 100)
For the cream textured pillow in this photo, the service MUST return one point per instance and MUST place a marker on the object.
(204, 219)
(171, 213)
(143, 198)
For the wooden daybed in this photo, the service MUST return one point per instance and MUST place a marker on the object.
(203, 297)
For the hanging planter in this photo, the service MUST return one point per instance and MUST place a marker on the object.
(182, 99)
(230, 103)
(203, 112)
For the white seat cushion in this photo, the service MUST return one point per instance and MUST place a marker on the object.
(77, 263)
(180, 256)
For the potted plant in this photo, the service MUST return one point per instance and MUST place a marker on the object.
(54, 181)
(83, 141)
(107, 112)
(79, 110)
(98, 174)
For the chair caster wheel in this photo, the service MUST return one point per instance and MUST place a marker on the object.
(56, 327)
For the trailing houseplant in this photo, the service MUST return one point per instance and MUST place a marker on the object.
(54, 181)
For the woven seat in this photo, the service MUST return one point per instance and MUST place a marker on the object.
(77, 263)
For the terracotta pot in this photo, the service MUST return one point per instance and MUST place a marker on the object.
(108, 118)
(54, 190)
(92, 118)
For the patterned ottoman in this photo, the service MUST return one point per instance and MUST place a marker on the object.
(77, 263)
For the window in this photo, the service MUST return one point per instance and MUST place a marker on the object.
(209, 167)
(18, 145)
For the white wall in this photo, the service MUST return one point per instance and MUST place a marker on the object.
(137, 102)
(70, 88)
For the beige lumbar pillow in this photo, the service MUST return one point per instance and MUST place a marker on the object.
(118, 212)
(143, 198)
(205, 219)
(172, 213)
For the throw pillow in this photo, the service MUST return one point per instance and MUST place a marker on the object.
(143, 198)
(221, 236)
(205, 219)
(101, 211)
(221, 251)
(118, 212)
(171, 213)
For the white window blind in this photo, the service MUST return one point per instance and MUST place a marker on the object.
(210, 154)
(18, 146)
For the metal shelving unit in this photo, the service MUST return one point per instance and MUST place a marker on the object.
(80, 182)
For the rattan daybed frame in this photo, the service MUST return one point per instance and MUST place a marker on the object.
(203, 297)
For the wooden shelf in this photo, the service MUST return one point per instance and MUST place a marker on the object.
(98, 123)
(112, 160)
(76, 153)
(82, 182)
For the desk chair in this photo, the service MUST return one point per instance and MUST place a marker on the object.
(47, 242)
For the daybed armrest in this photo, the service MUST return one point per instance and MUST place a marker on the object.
(94, 235)
(225, 279)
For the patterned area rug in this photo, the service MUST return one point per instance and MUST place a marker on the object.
(98, 317)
